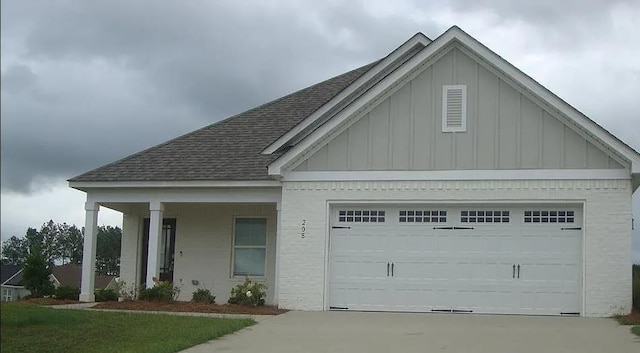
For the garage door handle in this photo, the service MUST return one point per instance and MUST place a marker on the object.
(518, 270)
(513, 275)
(392, 269)
(387, 269)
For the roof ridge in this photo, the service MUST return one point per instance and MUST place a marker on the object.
(131, 156)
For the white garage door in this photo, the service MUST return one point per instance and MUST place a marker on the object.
(506, 259)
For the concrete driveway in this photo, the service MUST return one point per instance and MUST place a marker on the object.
(400, 332)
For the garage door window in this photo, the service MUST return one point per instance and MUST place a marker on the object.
(549, 216)
(484, 216)
(250, 247)
(361, 216)
(422, 216)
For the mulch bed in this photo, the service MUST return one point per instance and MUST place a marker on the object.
(49, 301)
(630, 319)
(190, 307)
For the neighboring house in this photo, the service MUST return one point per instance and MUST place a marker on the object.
(12, 286)
(70, 275)
(439, 178)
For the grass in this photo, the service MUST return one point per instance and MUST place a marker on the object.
(33, 328)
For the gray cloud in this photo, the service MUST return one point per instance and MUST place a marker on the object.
(87, 82)
(94, 81)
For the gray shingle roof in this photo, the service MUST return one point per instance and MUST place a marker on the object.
(229, 149)
(8, 271)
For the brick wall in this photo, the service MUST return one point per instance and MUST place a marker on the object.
(607, 230)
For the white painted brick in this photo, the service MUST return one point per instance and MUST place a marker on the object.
(607, 230)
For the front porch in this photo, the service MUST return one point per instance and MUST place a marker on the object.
(195, 238)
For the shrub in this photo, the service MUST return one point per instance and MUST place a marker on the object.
(248, 293)
(106, 295)
(162, 291)
(66, 292)
(203, 296)
(636, 287)
(125, 292)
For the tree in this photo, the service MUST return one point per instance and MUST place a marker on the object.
(108, 250)
(15, 250)
(36, 273)
(71, 242)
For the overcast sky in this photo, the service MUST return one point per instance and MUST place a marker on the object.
(87, 82)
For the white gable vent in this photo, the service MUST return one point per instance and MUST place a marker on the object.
(454, 108)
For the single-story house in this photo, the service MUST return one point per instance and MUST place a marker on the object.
(439, 178)
(70, 275)
(11, 283)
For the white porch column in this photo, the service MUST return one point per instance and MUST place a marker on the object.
(156, 210)
(89, 253)
(276, 279)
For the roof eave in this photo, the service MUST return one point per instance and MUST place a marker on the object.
(86, 185)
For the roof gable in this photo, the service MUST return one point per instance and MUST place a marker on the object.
(455, 36)
(70, 275)
(505, 130)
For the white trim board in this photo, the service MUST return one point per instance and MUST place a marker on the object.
(83, 185)
(455, 34)
(418, 38)
(517, 174)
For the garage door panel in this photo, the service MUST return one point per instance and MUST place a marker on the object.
(522, 264)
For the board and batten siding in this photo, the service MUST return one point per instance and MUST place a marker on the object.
(505, 129)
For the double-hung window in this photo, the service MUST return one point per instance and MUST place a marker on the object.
(7, 296)
(250, 247)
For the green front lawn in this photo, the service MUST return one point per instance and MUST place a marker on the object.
(32, 328)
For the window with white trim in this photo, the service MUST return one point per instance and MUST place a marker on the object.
(454, 108)
(484, 216)
(422, 216)
(361, 216)
(549, 216)
(7, 295)
(250, 247)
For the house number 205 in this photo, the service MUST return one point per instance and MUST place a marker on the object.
(303, 229)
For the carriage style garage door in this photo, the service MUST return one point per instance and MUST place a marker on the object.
(507, 259)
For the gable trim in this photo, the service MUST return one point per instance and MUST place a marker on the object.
(509, 174)
(10, 278)
(525, 82)
(417, 39)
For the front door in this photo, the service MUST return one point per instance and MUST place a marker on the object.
(167, 249)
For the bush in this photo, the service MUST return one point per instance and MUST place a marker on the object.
(203, 296)
(106, 295)
(162, 291)
(249, 293)
(66, 292)
(636, 287)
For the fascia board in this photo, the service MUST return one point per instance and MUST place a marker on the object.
(84, 185)
(418, 38)
(275, 167)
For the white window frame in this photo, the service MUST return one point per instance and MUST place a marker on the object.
(445, 127)
(234, 247)
(7, 295)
